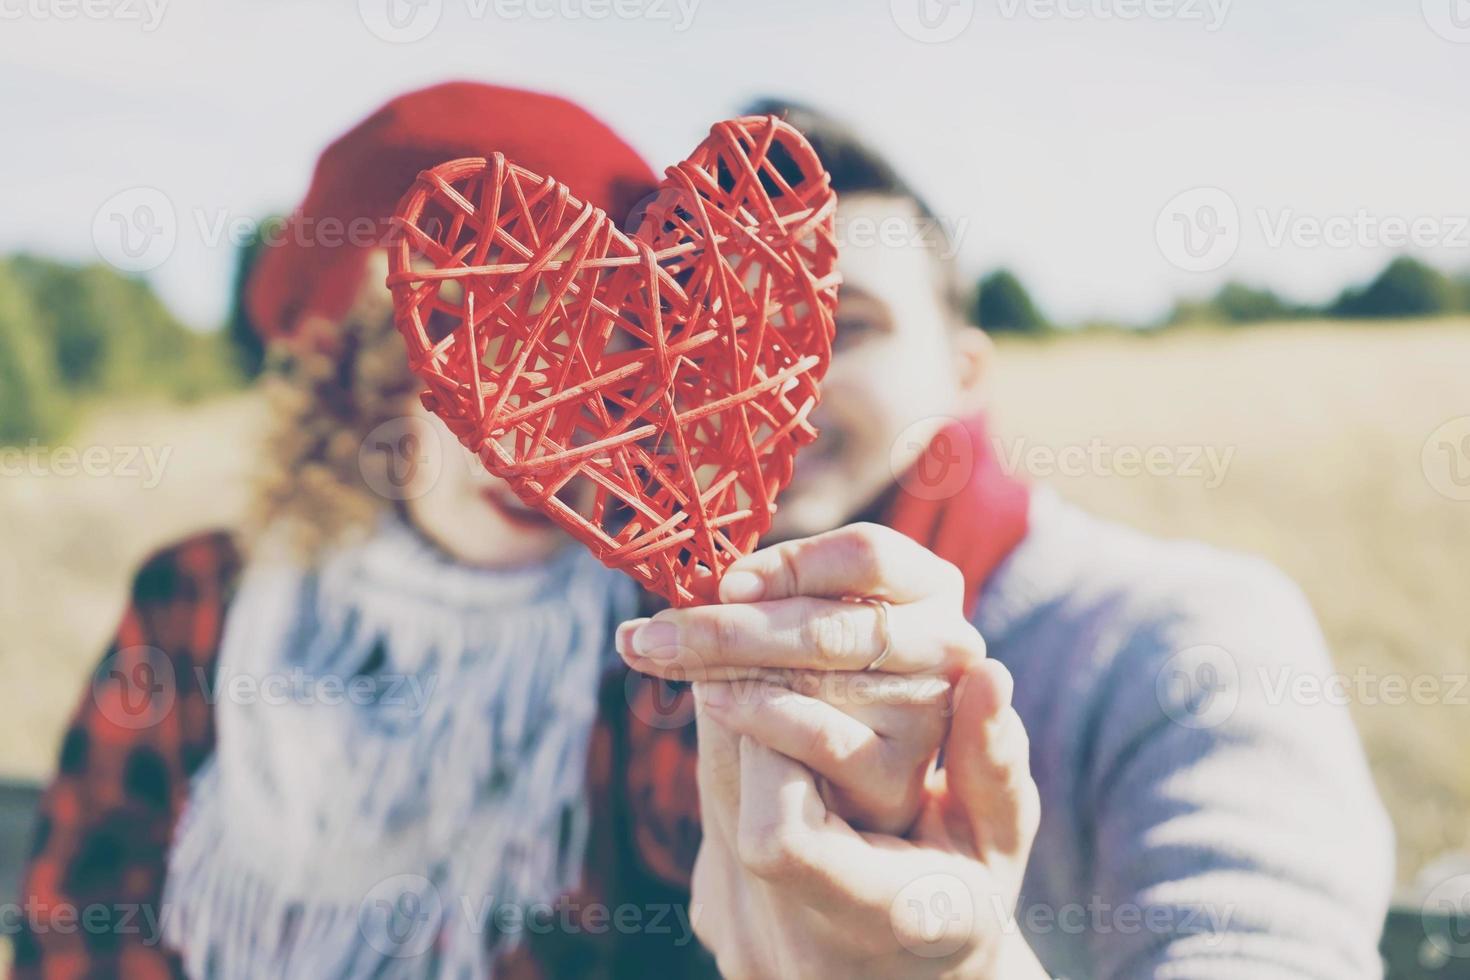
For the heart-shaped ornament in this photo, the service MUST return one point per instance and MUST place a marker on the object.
(647, 392)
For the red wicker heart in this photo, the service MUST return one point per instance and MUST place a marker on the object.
(673, 370)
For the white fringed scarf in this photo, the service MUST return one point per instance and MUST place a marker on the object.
(401, 757)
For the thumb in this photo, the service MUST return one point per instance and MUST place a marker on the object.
(987, 764)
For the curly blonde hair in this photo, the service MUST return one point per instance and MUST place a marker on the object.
(327, 391)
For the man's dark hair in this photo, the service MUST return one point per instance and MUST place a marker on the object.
(857, 168)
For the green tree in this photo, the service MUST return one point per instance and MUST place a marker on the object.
(29, 402)
(247, 349)
(1002, 305)
(64, 312)
(110, 334)
(1462, 286)
(1406, 288)
(1236, 303)
(71, 334)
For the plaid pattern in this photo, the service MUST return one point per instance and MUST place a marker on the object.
(146, 726)
(92, 892)
(143, 727)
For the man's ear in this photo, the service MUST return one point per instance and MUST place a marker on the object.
(973, 353)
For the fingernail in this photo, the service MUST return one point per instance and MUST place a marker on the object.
(741, 586)
(655, 639)
(623, 641)
(716, 696)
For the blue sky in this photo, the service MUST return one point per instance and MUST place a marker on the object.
(1057, 135)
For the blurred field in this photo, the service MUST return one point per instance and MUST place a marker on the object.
(72, 542)
(1326, 423)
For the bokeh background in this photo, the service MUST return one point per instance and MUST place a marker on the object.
(1232, 238)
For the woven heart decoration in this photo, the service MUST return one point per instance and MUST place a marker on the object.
(648, 392)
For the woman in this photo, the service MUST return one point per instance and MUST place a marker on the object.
(385, 732)
(263, 820)
(390, 738)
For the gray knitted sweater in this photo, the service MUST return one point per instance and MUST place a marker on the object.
(1201, 817)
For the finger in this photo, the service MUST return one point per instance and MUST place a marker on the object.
(866, 560)
(909, 715)
(800, 633)
(863, 885)
(718, 768)
(988, 763)
(872, 783)
(893, 705)
(785, 836)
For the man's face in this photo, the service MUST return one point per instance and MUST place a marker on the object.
(899, 366)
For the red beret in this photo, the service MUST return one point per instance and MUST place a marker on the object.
(315, 265)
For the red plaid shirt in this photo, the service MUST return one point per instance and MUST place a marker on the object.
(92, 894)
(145, 726)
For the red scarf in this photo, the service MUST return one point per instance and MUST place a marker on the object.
(958, 502)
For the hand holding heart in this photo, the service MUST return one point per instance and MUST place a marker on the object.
(795, 650)
(780, 858)
(672, 373)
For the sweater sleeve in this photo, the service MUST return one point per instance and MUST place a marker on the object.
(91, 892)
(1237, 832)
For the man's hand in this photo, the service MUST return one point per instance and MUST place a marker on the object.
(784, 887)
(793, 648)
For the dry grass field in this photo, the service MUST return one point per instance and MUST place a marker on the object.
(1322, 427)
(1327, 425)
